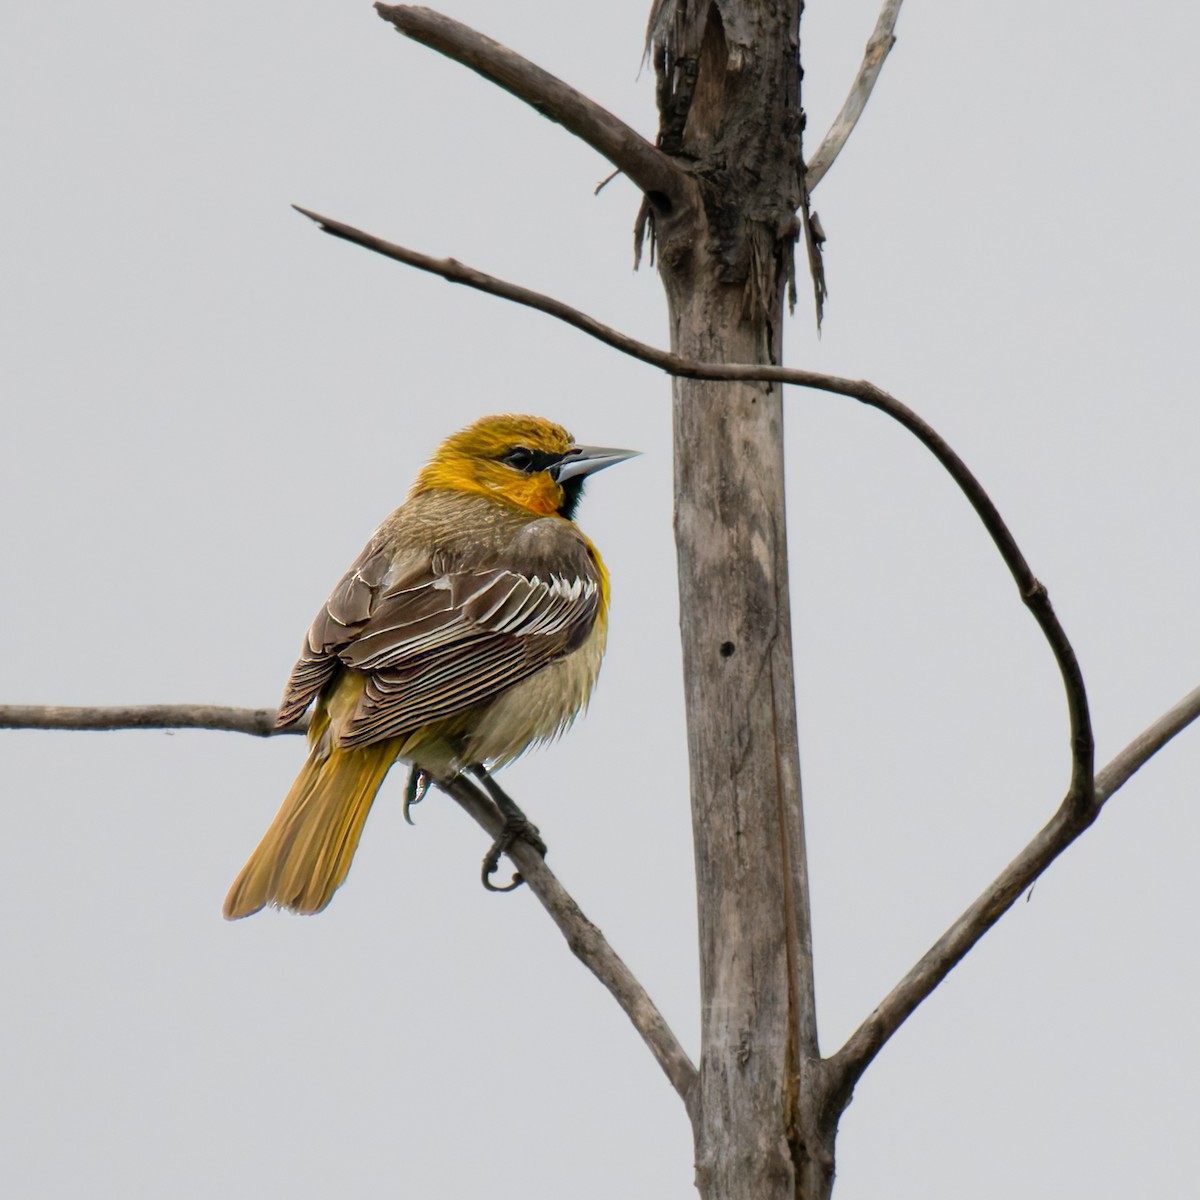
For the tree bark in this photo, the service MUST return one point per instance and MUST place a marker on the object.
(729, 79)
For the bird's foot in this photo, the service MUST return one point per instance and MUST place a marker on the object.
(516, 827)
(419, 783)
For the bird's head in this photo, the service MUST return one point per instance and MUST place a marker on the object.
(526, 461)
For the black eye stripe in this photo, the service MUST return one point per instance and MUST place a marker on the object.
(530, 461)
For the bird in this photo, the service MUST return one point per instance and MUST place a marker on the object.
(470, 628)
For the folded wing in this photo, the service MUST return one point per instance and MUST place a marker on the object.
(436, 637)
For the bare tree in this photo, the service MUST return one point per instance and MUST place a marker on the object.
(726, 201)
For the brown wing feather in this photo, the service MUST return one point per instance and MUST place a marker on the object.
(496, 628)
(346, 611)
(445, 634)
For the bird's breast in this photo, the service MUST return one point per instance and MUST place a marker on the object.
(541, 707)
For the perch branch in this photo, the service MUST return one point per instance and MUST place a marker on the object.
(657, 174)
(848, 1064)
(1033, 593)
(878, 48)
(586, 941)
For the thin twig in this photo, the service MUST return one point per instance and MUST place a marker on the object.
(1032, 592)
(257, 721)
(587, 943)
(606, 181)
(658, 175)
(878, 48)
(1147, 744)
(847, 1065)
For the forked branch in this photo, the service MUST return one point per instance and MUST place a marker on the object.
(1082, 804)
(1080, 808)
(848, 1064)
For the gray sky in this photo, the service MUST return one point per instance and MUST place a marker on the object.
(208, 407)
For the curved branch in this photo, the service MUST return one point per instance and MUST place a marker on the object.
(586, 941)
(878, 48)
(658, 175)
(1033, 593)
(1080, 808)
(846, 1066)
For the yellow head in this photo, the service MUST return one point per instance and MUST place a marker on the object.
(526, 461)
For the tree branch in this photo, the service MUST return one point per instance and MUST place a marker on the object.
(1078, 810)
(1147, 744)
(847, 1065)
(658, 175)
(586, 941)
(1033, 593)
(257, 721)
(878, 48)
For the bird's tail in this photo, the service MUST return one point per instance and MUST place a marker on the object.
(304, 857)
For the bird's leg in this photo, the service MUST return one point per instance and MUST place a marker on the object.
(419, 781)
(516, 826)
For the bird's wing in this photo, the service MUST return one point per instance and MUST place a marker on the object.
(438, 636)
(341, 617)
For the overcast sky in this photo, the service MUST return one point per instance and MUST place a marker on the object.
(209, 405)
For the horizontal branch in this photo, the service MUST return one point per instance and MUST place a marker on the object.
(586, 941)
(257, 721)
(878, 48)
(847, 1065)
(658, 175)
(1033, 593)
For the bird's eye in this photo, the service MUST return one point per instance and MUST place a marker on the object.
(519, 457)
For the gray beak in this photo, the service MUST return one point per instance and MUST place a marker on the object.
(584, 460)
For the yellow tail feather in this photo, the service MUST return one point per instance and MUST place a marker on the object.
(304, 857)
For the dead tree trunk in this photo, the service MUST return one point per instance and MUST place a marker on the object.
(729, 99)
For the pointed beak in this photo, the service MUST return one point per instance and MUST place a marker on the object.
(584, 460)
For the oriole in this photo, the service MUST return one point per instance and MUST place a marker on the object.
(470, 627)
